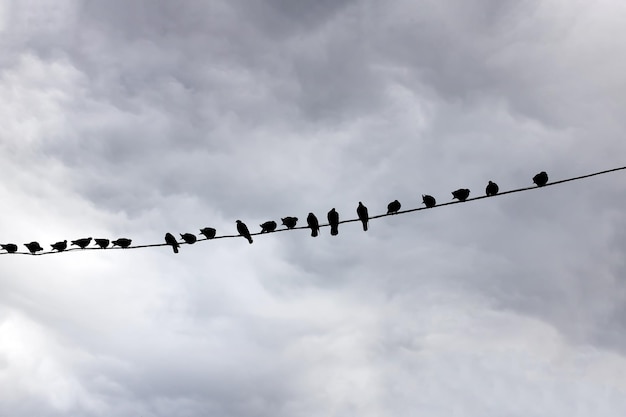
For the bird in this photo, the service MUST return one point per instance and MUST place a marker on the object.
(313, 223)
(290, 222)
(189, 238)
(60, 246)
(82, 243)
(103, 243)
(461, 194)
(361, 211)
(429, 200)
(171, 240)
(243, 230)
(208, 232)
(393, 207)
(122, 242)
(33, 247)
(541, 179)
(268, 226)
(9, 247)
(492, 188)
(333, 220)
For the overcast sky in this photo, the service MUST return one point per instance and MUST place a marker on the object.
(135, 118)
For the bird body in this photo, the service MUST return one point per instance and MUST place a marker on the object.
(333, 220)
(461, 194)
(393, 207)
(9, 247)
(122, 242)
(313, 223)
(243, 230)
(361, 211)
(268, 226)
(290, 222)
(60, 246)
(541, 179)
(492, 188)
(208, 232)
(171, 240)
(429, 201)
(33, 247)
(103, 243)
(189, 238)
(82, 243)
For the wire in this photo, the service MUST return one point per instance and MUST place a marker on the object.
(518, 190)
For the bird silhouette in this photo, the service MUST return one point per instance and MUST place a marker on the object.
(33, 247)
(122, 242)
(208, 232)
(9, 247)
(243, 230)
(541, 179)
(171, 240)
(268, 226)
(103, 243)
(361, 211)
(492, 188)
(461, 194)
(429, 200)
(60, 246)
(189, 238)
(393, 207)
(313, 223)
(82, 243)
(333, 220)
(290, 222)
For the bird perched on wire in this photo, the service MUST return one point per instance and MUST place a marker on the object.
(82, 243)
(429, 201)
(268, 226)
(541, 179)
(243, 230)
(9, 247)
(171, 240)
(361, 211)
(461, 194)
(60, 246)
(208, 232)
(313, 223)
(333, 220)
(189, 238)
(103, 243)
(492, 188)
(122, 242)
(33, 247)
(290, 222)
(393, 207)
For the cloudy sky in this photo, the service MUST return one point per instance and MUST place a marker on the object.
(137, 118)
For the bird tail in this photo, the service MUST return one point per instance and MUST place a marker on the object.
(250, 239)
(175, 248)
(365, 226)
(314, 232)
(334, 230)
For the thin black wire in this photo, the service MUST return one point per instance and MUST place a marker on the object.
(534, 187)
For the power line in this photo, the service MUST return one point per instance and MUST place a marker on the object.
(153, 245)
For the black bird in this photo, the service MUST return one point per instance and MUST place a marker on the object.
(82, 243)
(60, 246)
(269, 226)
(541, 179)
(103, 243)
(208, 232)
(492, 188)
(361, 211)
(171, 240)
(461, 194)
(290, 222)
(243, 230)
(122, 242)
(33, 247)
(313, 223)
(333, 220)
(9, 247)
(189, 238)
(429, 200)
(393, 207)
